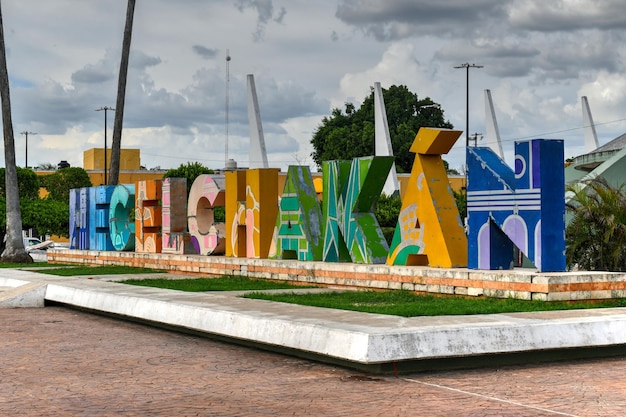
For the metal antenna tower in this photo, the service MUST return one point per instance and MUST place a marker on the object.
(227, 106)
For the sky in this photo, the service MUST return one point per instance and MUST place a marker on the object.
(307, 57)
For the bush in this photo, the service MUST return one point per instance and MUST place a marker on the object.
(61, 182)
(387, 210)
(596, 235)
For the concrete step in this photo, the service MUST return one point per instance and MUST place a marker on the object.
(27, 295)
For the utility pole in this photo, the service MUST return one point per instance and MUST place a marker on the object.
(26, 133)
(105, 109)
(467, 67)
(476, 137)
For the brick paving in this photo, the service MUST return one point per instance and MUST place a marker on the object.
(61, 362)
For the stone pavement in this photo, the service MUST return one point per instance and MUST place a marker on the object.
(376, 342)
(61, 362)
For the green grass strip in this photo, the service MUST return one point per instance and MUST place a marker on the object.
(97, 270)
(14, 265)
(213, 284)
(408, 304)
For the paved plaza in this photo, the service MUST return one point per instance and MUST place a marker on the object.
(62, 362)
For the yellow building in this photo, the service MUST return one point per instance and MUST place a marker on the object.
(130, 166)
(93, 159)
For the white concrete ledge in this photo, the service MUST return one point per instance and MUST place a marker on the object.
(351, 336)
(23, 296)
(358, 338)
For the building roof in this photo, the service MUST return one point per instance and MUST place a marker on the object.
(616, 144)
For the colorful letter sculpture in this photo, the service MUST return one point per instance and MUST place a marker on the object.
(175, 238)
(74, 213)
(525, 207)
(335, 174)
(251, 209)
(148, 215)
(79, 218)
(348, 208)
(99, 234)
(298, 231)
(122, 228)
(429, 229)
(207, 192)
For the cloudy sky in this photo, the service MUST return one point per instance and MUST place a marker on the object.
(307, 57)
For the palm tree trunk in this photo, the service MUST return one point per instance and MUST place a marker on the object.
(14, 250)
(116, 145)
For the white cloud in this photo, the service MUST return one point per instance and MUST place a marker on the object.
(538, 57)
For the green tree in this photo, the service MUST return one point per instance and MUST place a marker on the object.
(62, 181)
(350, 134)
(14, 249)
(460, 198)
(46, 216)
(596, 235)
(28, 183)
(191, 171)
(450, 171)
(387, 210)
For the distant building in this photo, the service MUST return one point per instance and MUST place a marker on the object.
(607, 161)
(130, 166)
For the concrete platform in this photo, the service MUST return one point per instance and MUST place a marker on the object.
(362, 340)
(525, 284)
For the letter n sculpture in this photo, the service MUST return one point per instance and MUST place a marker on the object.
(524, 207)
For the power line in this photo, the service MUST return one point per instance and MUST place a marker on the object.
(562, 131)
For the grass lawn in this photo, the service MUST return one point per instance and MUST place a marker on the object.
(96, 270)
(398, 303)
(213, 284)
(408, 304)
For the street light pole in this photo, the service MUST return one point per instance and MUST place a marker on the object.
(467, 67)
(105, 109)
(26, 133)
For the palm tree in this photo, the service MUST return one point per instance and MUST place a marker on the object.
(596, 235)
(116, 145)
(14, 250)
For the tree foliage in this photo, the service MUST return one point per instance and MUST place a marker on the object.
(349, 134)
(47, 217)
(460, 198)
(596, 235)
(190, 170)
(27, 182)
(387, 210)
(62, 181)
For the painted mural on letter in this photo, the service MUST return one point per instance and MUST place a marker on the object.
(524, 207)
(298, 230)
